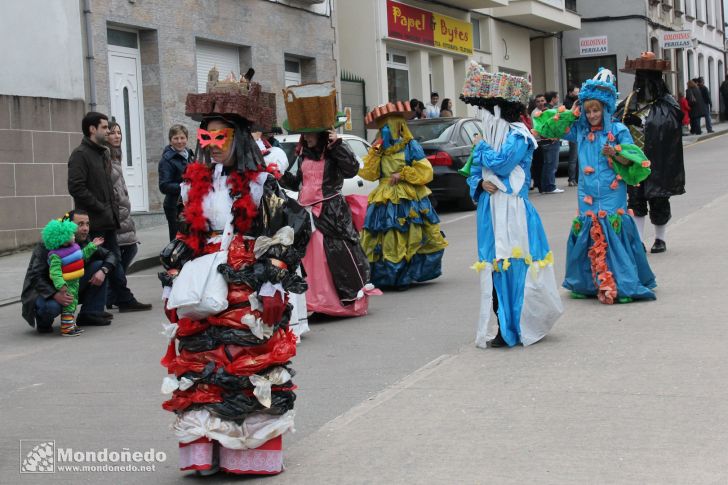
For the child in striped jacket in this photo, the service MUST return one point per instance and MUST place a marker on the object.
(66, 261)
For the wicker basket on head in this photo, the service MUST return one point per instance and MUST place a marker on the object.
(310, 105)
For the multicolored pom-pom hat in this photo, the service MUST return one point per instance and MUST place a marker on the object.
(374, 118)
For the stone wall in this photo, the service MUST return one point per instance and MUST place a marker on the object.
(36, 138)
(168, 30)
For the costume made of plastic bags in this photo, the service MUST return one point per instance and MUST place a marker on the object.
(605, 256)
(401, 236)
(230, 384)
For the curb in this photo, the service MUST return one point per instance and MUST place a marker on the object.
(136, 266)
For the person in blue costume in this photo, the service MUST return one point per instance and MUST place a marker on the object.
(605, 256)
(401, 235)
(514, 257)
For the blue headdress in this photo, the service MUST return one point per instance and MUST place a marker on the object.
(600, 87)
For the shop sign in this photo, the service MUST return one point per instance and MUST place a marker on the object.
(681, 39)
(591, 46)
(453, 34)
(428, 28)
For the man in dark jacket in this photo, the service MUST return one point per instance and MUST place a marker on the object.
(724, 99)
(708, 103)
(90, 185)
(42, 303)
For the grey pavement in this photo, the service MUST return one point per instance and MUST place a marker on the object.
(622, 394)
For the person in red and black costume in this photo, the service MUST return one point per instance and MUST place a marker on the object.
(230, 375)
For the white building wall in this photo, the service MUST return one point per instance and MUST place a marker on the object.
(42, 53)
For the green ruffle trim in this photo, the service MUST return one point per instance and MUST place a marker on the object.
(554, 124)
(635, 172)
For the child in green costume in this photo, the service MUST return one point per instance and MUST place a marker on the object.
(66, 261)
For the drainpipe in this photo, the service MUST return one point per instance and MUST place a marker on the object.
(89, 54)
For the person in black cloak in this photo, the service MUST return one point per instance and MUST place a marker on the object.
(654, 119)
(337, 270)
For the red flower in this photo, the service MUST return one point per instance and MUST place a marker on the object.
(589, 170)
(588, 199)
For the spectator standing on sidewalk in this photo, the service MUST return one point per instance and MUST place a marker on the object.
(432, 110)
(42, 303)
(174, 161)
(708, 103)
(697, 107)
(685, 108)
(89, 183)
(446, 108)
(724, 99)
(549, 149)
(126, 235)
(571, 97)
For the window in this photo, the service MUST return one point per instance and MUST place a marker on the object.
(292, 69)
(225, 58)
(580, 69)
(570, 5)
(655, 46)
(122, 38)
(701, 67)
(397, 76)
(476, 33)
(691, 67)
(721, 73)
(127, 128)
(711, 71)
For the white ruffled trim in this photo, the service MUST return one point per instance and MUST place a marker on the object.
(255, 431)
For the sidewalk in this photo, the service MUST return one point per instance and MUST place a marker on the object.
(14, 265)
(719, 128)
(615, 394)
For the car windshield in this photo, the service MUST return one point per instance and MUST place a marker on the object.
(435, 132)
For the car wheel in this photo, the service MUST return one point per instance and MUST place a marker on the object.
(466, 204)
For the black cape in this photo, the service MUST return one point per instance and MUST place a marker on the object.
(663, 145)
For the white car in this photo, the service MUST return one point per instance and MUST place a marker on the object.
(359, 146)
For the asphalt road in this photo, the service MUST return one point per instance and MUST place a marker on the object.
(102, 390)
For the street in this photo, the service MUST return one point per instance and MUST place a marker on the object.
(615, 394)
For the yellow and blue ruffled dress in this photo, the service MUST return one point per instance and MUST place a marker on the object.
(401, 235)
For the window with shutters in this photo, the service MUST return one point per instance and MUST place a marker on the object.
(224, 57)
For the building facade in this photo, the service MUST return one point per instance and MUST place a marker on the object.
(689, 33)
(409, 48)
(136, 61)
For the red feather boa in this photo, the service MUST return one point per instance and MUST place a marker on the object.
(199, 178)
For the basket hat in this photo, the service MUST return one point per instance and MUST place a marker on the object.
(339, 120)
(375, 116)
(311, 108)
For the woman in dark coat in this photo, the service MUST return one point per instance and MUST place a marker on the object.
(697, 107)
(337, 271)
(174, 161)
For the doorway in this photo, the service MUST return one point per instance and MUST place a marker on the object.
(127, 110)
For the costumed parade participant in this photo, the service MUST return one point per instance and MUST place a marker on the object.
(276, 163)
(604, 255)
(654, 119)
(336, 268)
(515, 264)
(228, 276)
(66, 261)
(401, 235)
